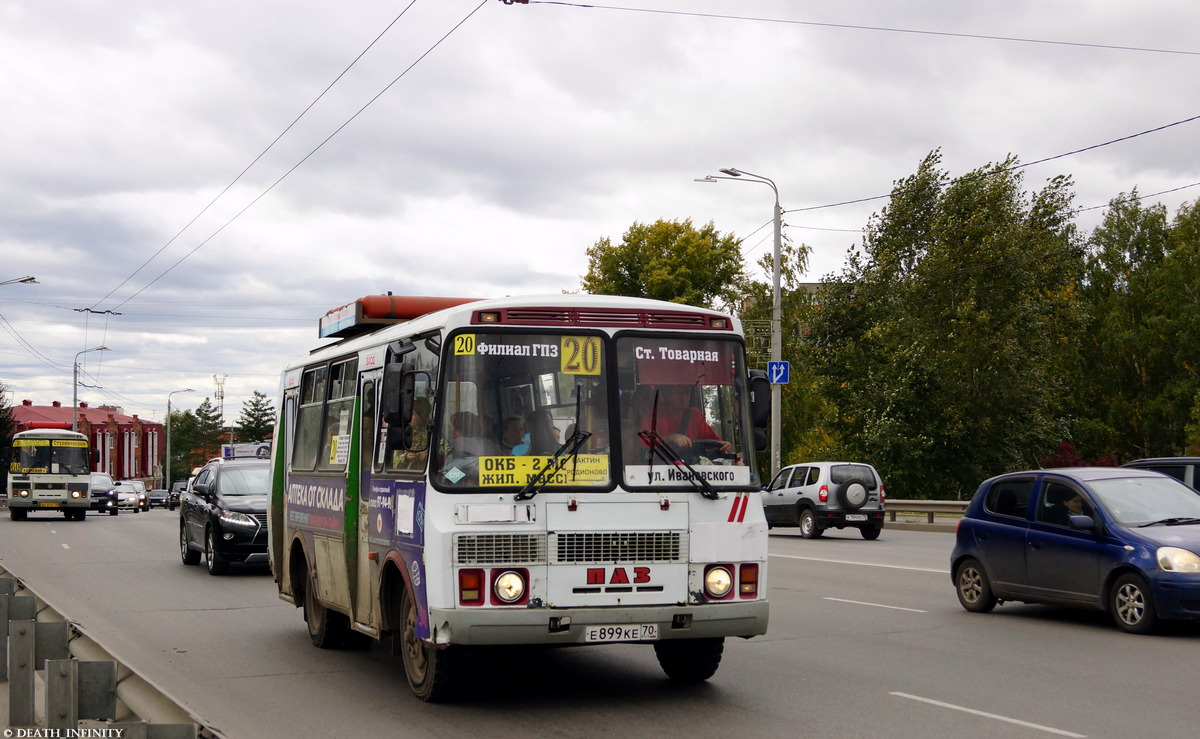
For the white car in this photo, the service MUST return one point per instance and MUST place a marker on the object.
(130, 498)
(819, 495)
(143, 502)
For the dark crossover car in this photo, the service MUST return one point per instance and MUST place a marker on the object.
(820, 495)
(1184, 469)
(177, 490)
(1123, 540)
(223, 514)
(103, 494)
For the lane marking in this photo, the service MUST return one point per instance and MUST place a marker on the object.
(864, 564)
(985, 714)
(876, 605)
(66, 546)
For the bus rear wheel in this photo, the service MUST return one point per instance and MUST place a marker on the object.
(689, 660)
(430, 670)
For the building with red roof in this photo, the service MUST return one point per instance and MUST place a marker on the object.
(125, 447)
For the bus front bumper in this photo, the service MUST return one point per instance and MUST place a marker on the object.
(569, 626)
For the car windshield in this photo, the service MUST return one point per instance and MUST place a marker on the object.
(1137, 501)
(248, 480)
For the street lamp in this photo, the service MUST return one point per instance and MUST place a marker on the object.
(75, 385)
(167, 462)
(776, 302)
(27, 279)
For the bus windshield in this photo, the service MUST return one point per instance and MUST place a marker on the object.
(684, 419)
(511, 402)
(50, 456)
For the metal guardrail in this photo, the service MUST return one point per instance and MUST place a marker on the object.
(930, 508)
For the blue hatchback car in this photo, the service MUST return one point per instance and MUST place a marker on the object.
(1123, 540)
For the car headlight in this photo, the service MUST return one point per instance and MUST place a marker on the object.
(1174, 559)
(238, 520)
(718, 581)
(509, 587)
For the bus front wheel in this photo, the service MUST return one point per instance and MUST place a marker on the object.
(430, 670)
(689, 660)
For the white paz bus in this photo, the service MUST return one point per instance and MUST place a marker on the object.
(554, 470)
(50, 471)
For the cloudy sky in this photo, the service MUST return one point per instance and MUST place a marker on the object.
(194, 184)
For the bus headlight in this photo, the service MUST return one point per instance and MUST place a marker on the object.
(718, 581)
(22, 493)
(76, 494)
(509, 587)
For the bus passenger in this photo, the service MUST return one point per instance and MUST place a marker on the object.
(514, 439)
(543, 434)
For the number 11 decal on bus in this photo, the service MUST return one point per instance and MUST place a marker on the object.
(562, 470)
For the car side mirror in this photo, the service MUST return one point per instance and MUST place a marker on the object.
(1082, 523)
(201, 489)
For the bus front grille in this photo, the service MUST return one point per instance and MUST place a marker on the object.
(619, 546)
(491, 549)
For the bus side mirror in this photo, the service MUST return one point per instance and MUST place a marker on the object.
(760, 399)
(399, 388)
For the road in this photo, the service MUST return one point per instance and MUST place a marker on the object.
(866, 639)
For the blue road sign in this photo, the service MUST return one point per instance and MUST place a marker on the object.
(777, 372)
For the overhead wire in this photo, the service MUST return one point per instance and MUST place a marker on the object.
(858, 27)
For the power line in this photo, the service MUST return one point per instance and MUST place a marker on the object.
(256, 159)
(854, 27)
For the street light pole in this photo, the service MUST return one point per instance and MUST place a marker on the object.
(75, 385)
(776, 302)
(167, 461)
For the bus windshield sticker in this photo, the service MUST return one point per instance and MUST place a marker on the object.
(581, 355)
(684, 362)
(642, 475)
(589, 469)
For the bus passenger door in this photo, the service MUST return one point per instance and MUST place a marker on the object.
(364, 601)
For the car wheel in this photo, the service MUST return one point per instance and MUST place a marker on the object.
(689, 660)
(871, 533)
(973, 589)
(808, 524)
(216, 564)
(113, 511)
(853, 494)
(190, 556)
(431, 672)
(1132, 606)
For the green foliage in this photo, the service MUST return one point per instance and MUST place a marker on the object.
(8, 427)
(208, 433)
(946, 343)
(667, 260)
(1139, 355)
(186, 453)
(257, 421)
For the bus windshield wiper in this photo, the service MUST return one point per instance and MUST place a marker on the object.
(559, 460)
(1174, 521)
(568, 452)
(661, 448)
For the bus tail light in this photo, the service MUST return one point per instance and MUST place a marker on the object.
(510, 587)
(470, 587)
(718, 582)
(748, 580)
(823, 494)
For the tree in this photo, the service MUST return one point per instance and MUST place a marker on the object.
(667, 260)
(945, 344)
(186, 450)
(8, 427)
(1139, 364)
(208, 431)
(257, 420)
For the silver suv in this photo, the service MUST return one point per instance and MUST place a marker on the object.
(819, 495)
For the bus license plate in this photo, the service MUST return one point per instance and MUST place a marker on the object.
(48, 504)
(856, 517)
(624, 632)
